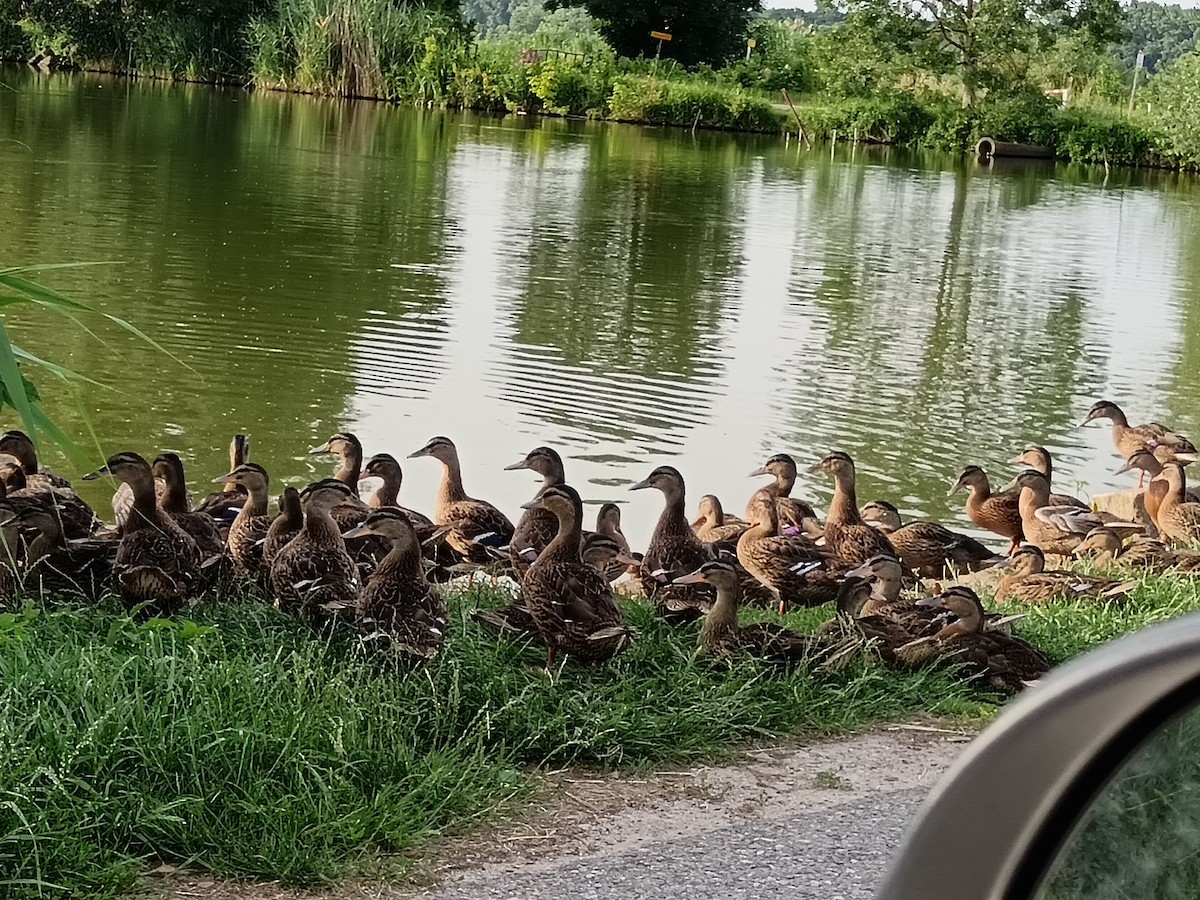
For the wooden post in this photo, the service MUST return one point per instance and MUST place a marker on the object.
(799, 124)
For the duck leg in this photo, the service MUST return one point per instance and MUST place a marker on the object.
(550, 659)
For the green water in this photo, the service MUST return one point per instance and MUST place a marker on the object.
(630, 296)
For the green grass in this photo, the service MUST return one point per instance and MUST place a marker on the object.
(240, 743)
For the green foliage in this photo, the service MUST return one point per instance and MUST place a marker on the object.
(704, 31)
(1093, 137)
(782, 58)
(896, 119)
(1174, 98)
(1164, 31)
(14, 41)
(637, 98)
(1026, 118)
(1077, 62)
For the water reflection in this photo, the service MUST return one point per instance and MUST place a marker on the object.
(631, 296)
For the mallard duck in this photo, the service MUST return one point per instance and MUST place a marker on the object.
(398, 608)
(674, 551)
(1106, 548)
(792, 513)
(889, 639)
(1038, 459)
(1002, 662)
(1146, 463)
(605, 555)
(927, 548)
(157, 561)
(75, 516)
(1178, 519)
(313, 575)
(248, 533)
(791, 566)
(284, 526)
(52, 565)
(1055, 529)
(387, 469)
(851, 540)
(20, 447)
(174, 502)
(714, 526)
(224, 505)
(473, 525)
(997, 513)
(571, 603)
(353, 510)
(722, 635)
(1158, 439)
(1029, 582)
(537, 527)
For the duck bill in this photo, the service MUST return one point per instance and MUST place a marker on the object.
(316, 451)
(626, 559)
(1128, 467)
(813, 470)
(360, 531)
(92, 476)
(860, 571)
(535, 503)
(1017, 461)
(759, 471)
(932, 602)
(1011, 486)
(517, 466)
(957, 486)
(424, 451)
(641, 485)
(693, 578)
(224, 479)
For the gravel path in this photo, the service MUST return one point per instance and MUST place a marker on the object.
(818, 821)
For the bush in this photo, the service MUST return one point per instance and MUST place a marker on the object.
(653, 100)
(1085, 136)
(899, 119)
(1027, 117)
(1174, 97)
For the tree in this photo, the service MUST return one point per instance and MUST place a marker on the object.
(1164, 33)
(986, 40)
(703, 31)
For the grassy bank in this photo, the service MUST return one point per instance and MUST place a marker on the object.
(239, 743)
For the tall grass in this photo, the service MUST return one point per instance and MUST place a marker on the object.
(241, 743)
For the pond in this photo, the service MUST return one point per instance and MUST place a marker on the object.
(630, 296)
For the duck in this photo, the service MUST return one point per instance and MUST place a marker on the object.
(1029, 582)
(476, 528)
(857, 630)
(1146, 463)
(608, 524)
(21, 448)
(224, 505)
(572, 605)
(1055, 529)
(851, 540)
(1106, 548)
(353, 510)
(313, 576)
(157, 562)
(1002, 662)
(173, 501)
(792, 513)
(1158, 439)
(723, 636)
(52, 565)
(78, 521)
(791, 566)
(249, 529)
(1039, 459)
(1178, 519)
(674, 551)
(537, 527)
(997, 513)
(927, 548)
(713, 525)
(398, 608)
(605, 555)
(387, 469)
(284, 526)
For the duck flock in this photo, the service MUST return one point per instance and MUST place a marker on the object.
(335, 559)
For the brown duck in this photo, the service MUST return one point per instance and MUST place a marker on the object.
(52, 565)
(792, 513)
(398, 608)
(313, 576)
(537, 527)
(722, 635)
(475, 529)
(850, 540)
(157, 562)
(927, 548)
(1106, 547)
(385, 467)
(1178, 519)
(571, 603)
(1039, 459)
(713, 525)
(1030, 582)
(284, 526)
(1158, 439)
(1146, 463)
(168, 468)
(1001, 662)
(225, 504)
(1054, 529)
(997, 513)
(792, 567)
(248, 532)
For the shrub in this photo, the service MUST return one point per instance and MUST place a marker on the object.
(654, 100)
(1086, 136)
(1174, 97)
(898, 119)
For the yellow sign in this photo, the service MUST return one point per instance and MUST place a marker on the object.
(752, 43)
(660, 35)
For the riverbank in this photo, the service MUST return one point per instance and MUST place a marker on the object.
(240, 744)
